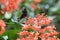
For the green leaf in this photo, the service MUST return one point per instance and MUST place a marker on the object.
(0, 13)
(0, 16)
(0, 7)
(12, 34)
(13, 26)
(19, 14)
(39, 38)
(30, 30)
(46, 31)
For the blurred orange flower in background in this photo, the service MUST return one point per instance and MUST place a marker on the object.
(2, 23)
(37, 1)
(33, 5)
(2, 26)
(2, 1)
(10, 5)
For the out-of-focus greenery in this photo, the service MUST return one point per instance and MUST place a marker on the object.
(52, 8)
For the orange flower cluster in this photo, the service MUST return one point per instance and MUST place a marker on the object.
(2, 26)
(37, 1)
(10, 5)
(33, 29)
(34, 4)
(2, 1)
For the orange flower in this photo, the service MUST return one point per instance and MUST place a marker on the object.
(3, 1)
(33, 6)
(26, 27)
(2, 30)
(2, 25)
(10, 5)
(24, 33)
(35, 28)
(51, 38)
(38, 32)
(17, 39)
(24, 39)
(37, 1)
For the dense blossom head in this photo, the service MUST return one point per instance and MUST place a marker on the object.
(10, 5)
(32, 29)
